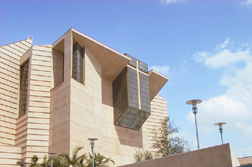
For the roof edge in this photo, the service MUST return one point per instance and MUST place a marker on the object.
(99, 43)
(158, 73)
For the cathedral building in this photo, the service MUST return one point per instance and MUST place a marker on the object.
(54, 97)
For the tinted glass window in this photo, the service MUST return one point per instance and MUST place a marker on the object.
(23, 88)
(78, 61)
(143, 66)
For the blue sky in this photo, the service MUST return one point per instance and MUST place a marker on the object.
(204, 47)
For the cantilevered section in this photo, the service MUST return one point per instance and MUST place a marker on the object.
(112, 62)
(131, 94)
(131, 106)
(156, 82)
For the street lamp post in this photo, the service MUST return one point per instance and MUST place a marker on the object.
(221, 128)
(92, 142)
(51, 153)
(194, 103)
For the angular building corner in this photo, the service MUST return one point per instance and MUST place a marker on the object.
(54, 97)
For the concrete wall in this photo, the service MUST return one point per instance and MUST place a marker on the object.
(9, 94)
(217, 156)
(37, 136)
(33, 127)
(58, 68)
(59, 136)
(27, 135)
(158, 112)
(117, 142)
(9, 85)
(245, 160)
(86, 105)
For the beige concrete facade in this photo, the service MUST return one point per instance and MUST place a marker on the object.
(158, 112)
(62, 113)
(217, 156)
(245, 161)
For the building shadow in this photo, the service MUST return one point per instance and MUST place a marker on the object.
(130, 137)
(126, 136)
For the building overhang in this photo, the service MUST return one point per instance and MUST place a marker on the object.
(112, 62)
(156, 82)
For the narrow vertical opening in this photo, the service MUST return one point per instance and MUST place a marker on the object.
(24, 69)
(78, 63)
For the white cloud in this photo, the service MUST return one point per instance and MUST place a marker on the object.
(224, 109)
(246, 2)
(183, 67)
(200, 56)
(162, 69)
(171, 1)
(225, 58)
(226, 44)
(223, 55)
(238, 76)
(235, 105)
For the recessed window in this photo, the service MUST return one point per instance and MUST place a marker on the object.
(78, 63)
(23, 88)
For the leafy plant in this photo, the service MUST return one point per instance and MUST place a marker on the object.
(64, 160)
(143, 155)
(75, 160)
(99, 161)
(165, 142)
